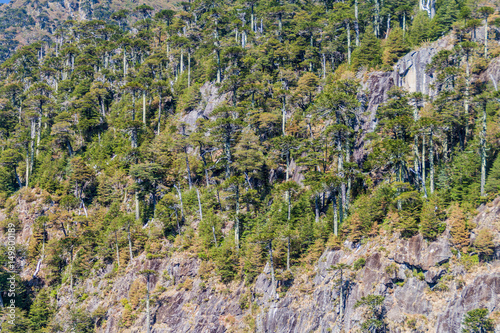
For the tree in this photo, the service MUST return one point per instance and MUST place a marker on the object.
(493, 181)
(41, 311)
(147, 178)
(82, 177)
(369, 53)
(10, 159)
(224, 131)
(344, 285)
(420, 29)
(374, 313)
(485, 12)
(477, 321)
(226, 260)
(484, 244)
(81, 321)
(148, 273)
(395, 47)
(459, 231)
(430, 223)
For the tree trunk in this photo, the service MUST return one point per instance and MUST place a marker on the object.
(288, 254)
(335, 216)
(213, 233)
(32, 142)
(316, 208)
(181, 65)
(273, 283)
(188, 170)
(483, 153)
(466, 94)
(376, 27)
(117, 249)
(227, 148)
(237, 222)
(416, 159)
(159, 113)
(404, 25)
(341, 304)
(283, 111)
(251, 17)
(431, 161)
(180, 200)
(124, 62)
(38, 133)
(199, 204)
(189, 69)
(341, 176)
(129, 243)
(423, 164)
(101, 102)
(148, 315)
(348, 29)
(144, 107)
(137, 211)
(388, 26)
(27, 167)
(415, 144)
(289, 206)
(218, 67)
(486, 38)
(356, 22)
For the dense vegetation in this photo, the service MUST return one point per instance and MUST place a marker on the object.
(95, 120)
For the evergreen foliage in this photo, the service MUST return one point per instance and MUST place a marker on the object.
(238, 132)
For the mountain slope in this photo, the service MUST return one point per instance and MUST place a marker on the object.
(426, 287)
(25, 21)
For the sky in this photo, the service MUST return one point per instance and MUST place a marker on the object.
(4, 1)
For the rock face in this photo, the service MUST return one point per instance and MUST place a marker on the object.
(482, 292)
(210, 99)
(311, 304)
(423, 284)
(418, 253)
(410, 73)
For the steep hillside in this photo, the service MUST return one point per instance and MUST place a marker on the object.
(426, 286)
(26, 21)
(250, 166)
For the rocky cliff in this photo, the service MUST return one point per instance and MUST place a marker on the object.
(426, 287)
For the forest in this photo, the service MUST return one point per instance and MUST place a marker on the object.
(106, 123)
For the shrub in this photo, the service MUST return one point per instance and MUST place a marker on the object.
(469, 261)
(358, 264)
(484, 243)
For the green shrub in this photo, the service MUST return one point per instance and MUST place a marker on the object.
(358, 264)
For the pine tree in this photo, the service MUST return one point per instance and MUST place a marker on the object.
(421, 28)
(493, 181)
(369, 53)
(477, 321)
(484, 243)
(395, 47)
(429, 219)
(458, 228)
(41, 311)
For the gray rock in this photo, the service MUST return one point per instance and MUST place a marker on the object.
(482, 292)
